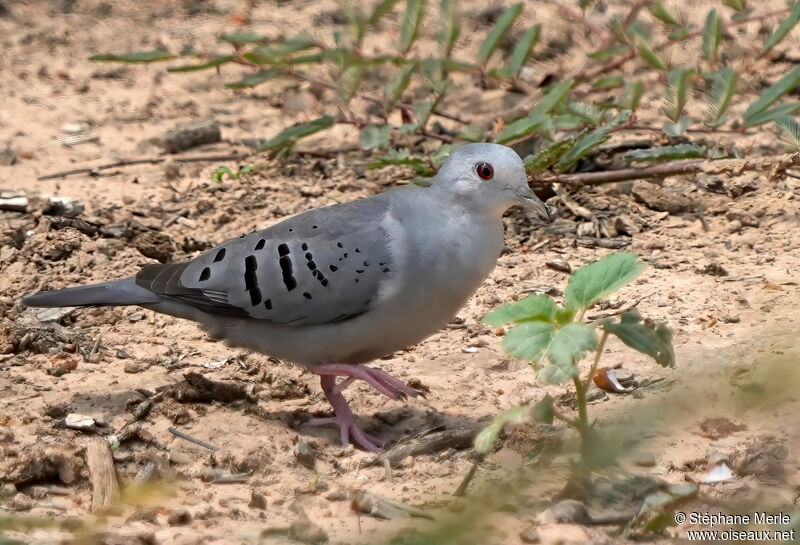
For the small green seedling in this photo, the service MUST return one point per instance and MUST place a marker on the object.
(223, 170)
(555, 339)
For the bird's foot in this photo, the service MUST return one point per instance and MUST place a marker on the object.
(379, 379)
(345, 419)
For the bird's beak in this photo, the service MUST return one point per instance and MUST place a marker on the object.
(529, 200)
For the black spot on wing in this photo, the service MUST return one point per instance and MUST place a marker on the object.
(220, 255)
(251, 280)
(205, 274)
(285, 261)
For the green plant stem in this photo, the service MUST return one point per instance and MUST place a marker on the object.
(582, 422)
(564, 418)
(597, 355)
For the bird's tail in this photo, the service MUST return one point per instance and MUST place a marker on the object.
(116, 292)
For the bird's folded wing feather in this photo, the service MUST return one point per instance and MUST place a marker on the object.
(322, 266)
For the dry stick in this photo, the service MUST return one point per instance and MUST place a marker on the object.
(191, 439)
(105, 489)
(145, 160)
(776, 164)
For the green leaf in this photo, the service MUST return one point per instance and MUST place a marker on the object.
(631, 96)
(609, 52)
(666, 153)
(596, 280)
(355, 18)
(278, 53)
(383, 7)
(287, 137)
(678, 128)
(532, 308)
(402, 157)
(439, 156)
(676, 92)
(527, 125)
(607, 82)
(738, 5)
(772, 114)
(712, 36)
(519, 128)
(773, 93)
(648, 55)
(498, 31)
(251, 80)
(243, 38)
(587, 112)
(375, 136)
(410, 25)
(570, 344)
(652, 339)
(544, 412)
(529, 340)
(545, 158)
(141, 56)
(783, 29)
(451, 27)
(659, 11)
(617, 28)
(555, 95)
(220, 172)
(681, 33)
(398, 84)
(213, 63)
(556, 374)
(523, 49)
(473, 133)
(790, 132)
(485, 440)
(349, 80)
(722, 90)
(589, 141)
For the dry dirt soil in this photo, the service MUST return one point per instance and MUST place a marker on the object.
(723, 275)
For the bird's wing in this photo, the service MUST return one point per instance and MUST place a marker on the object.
(321, 266)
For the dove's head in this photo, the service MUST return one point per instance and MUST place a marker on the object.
(488, 178)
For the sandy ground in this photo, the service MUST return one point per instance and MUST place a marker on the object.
(723, 275)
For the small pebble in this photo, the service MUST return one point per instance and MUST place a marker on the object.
(257, 500)
(305, 454)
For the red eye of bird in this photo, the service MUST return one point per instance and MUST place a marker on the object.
(484, 170)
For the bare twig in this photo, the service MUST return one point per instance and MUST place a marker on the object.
(776, 165)
(191, 439)
(144, 161)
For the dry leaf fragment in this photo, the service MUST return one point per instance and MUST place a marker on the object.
(606, 379)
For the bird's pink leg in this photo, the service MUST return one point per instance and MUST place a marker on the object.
(380, 380)
(345, 419)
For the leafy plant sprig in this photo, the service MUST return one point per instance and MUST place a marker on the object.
(556, 338)
(588, 103)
